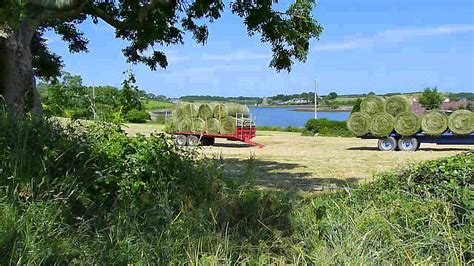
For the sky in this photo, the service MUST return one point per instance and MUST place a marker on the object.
(367, 45)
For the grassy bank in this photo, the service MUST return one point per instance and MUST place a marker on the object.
(154, 105)
(90, 194)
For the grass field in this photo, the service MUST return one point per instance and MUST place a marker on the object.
(292, 161)
(157, 105)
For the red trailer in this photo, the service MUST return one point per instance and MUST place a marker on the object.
(244, 133)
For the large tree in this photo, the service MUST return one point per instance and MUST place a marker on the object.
(145, 24)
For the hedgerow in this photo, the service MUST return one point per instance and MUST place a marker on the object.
(90, 194)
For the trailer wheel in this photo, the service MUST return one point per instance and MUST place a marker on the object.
(387, 144)
(193, 140)
(208, 141)
(180, 140)
(408, 144)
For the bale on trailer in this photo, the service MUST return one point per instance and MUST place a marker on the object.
(185, 125)
(171, 124)
(191, 109)
(213, 126)
(461, 122)
(434, 123)
(181, 109)
(228, 125)
(198, 125)
(372, 105)
(205, 111)
(235, 108)
(396, 105)
(407, 123)
(359, 123)
(381, 124)
(220, 111)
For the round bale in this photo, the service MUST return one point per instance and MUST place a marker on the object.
(407, 123)
(461, 122)
(372, 105)
(359, 123)
(382, 124)
(434, 123)
(396, 105)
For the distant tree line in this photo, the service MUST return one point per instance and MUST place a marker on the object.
(208, 98)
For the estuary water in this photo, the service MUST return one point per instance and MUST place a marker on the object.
(285, 117)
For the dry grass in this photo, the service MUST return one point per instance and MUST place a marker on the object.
(290, 160)
(144, 129)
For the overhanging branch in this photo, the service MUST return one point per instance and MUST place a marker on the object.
(95, 11)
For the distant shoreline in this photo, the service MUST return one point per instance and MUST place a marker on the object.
(302, 108)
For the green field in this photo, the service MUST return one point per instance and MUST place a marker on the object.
(157, 105)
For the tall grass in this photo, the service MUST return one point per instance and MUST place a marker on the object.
(90, 194)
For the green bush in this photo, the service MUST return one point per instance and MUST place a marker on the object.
(325, 127)
(136, 116)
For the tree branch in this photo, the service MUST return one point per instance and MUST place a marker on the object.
(93, 10)
(55, 5)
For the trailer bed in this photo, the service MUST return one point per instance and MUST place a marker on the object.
(395, 141)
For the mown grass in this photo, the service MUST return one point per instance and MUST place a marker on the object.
(89, 194)
(157, 105)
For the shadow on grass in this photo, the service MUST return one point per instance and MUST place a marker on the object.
(284, 176)
(230, 144)
(440, 149)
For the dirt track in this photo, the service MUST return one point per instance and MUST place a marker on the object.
(290, 160)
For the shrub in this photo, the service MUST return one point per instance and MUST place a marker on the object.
(136, 116)
(325, 127)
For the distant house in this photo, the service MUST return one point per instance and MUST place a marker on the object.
(297, 101)
(446, 105)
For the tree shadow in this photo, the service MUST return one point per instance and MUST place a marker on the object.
(232, 145)
(445, 149)
(440, 149)
(362, 149)
(284, 176)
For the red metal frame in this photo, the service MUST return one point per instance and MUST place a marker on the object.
(243, 134)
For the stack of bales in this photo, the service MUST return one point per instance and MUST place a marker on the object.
(211, 118)
(380, 117)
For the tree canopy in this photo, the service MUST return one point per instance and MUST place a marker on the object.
(148, 25)
(431, 98)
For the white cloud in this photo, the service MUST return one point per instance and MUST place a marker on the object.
(393, 36)
(236, 55)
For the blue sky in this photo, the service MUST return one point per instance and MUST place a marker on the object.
(367, 45)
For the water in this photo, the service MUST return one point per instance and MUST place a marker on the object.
(285, 117)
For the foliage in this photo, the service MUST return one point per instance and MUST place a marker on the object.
(129, 98)
(356, 106)
(137, 116)
(431, 98)
(470, 106)
(331, 96)
(68, 93)
(89, 194)
(68, 97)
(208, 98)
(157, 23)
(330, 128)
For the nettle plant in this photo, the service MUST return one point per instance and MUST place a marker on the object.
(146, 25)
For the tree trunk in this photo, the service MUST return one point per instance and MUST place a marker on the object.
(17, 79)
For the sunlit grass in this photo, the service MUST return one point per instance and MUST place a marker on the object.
(157, 105)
